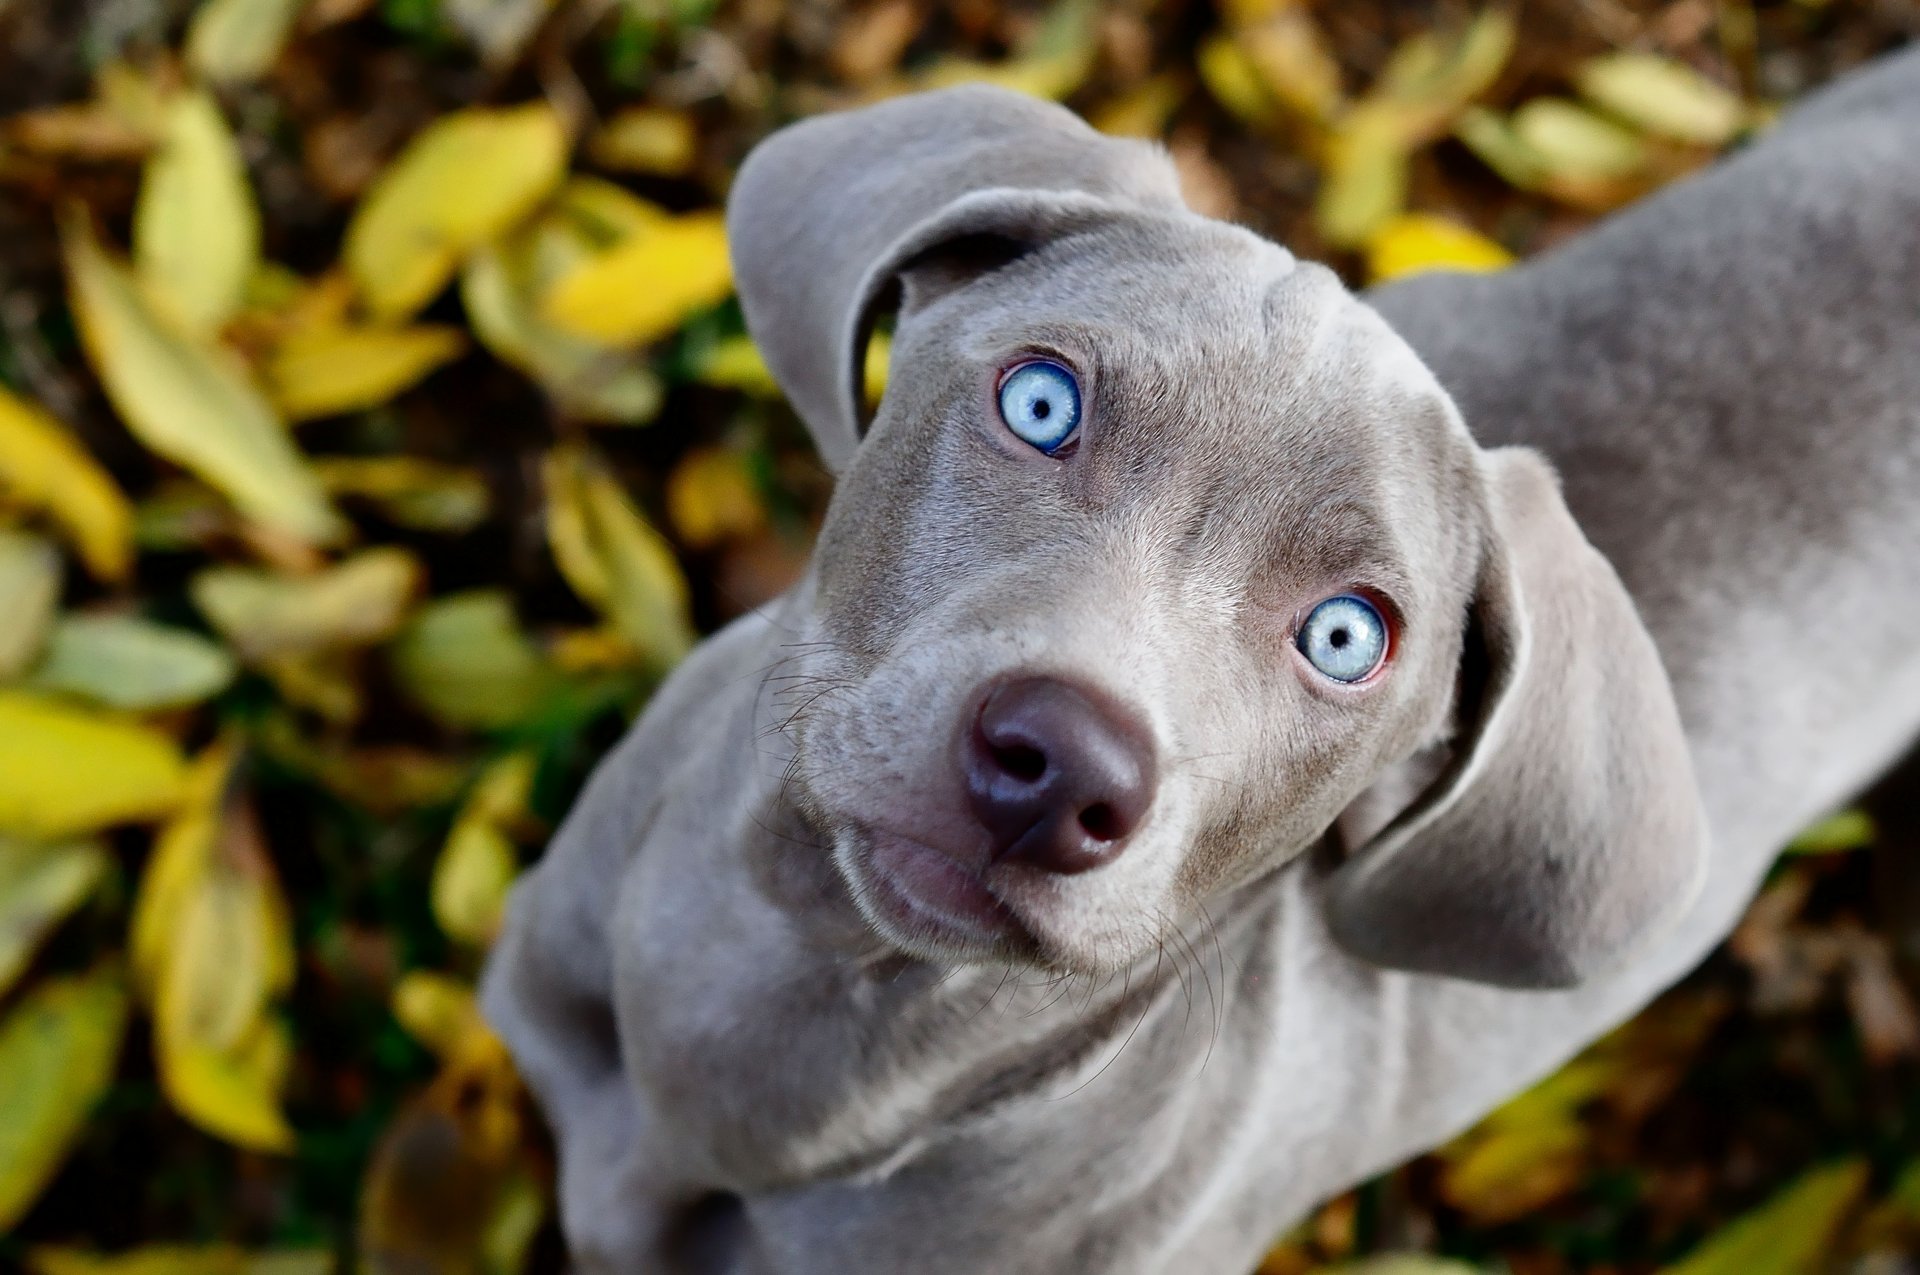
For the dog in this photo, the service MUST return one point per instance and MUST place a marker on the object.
(1231, 733)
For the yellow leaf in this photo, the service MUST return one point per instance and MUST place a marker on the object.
(1490, 136)
(212, 946)
(505, 788)
(645, 139)
(233, 1093)
(360, 601)
(1144, 112)
(734, 363)
(711, 497)
(179, 1259)
(422, 495)
(469, 177)
(1294, 63)
(470, 881)
(39, 886)
(1051, 63)
(1788, 1234)
(122, 661)
(595, 214)
(196, 232)
(1366, 180)
(1511, 1173)
(66, 770)
(587, 380)
(29, 591)
(467, 661)
(57, 1052)
(190, 403)
(646, 287)
(42, 466)
(232, 41)
(436, 1010)
(1663, 97)
(327, 371)
(613, 558)
(1234, 80)
(1417, 242)
(1574, 143)
(1433, 76)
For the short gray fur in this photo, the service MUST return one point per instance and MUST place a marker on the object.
(1726, 379)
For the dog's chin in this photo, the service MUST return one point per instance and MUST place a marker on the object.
(921, 901)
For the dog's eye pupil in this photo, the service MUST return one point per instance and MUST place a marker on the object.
(1040, 404)
(1344, 638)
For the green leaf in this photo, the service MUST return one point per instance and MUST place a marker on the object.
(466, 660)
(29, 591)
(1847, 830)
(126, 662)
(40, 885)
(268, 615)
(57, 1052)
(1663, 97)
(1788, 1234)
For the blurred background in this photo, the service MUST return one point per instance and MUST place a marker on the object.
(376, 428)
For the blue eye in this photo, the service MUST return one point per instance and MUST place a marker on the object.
(1344, 637)
(1040, 402)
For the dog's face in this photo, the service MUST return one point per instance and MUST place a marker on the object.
(1160, 551)
(1253, 450)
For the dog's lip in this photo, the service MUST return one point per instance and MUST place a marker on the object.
(924, 893)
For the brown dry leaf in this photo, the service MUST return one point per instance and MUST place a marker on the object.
(1145, 111)
(43, 467)
(196, 232)
(328, 371)
(499, 29)
(29, 592)
(1882, 1008)
(190, 402)
(873, 38)
(58, 1047)
(66, 770)
(265, 615)
(468, 178)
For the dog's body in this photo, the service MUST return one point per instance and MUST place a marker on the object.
(744, 1075)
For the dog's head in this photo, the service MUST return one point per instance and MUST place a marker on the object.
(1160, 552)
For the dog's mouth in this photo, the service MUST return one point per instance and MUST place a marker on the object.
(925, 902)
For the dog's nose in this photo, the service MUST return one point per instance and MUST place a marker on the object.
(1057, 777)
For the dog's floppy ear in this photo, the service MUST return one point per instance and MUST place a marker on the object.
(1567, 827)
(824, 215)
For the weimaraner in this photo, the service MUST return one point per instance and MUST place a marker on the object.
(1210, 757)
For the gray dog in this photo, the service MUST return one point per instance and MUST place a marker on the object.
(1210, 757)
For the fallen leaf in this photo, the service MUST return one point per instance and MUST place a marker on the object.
(735, 363)
(29, 592)
(437, 1010)
(1366, 174)
(196, 232)
(645, 139)
(470, 881)
(57, 1050)
(468, 178)
(465, 659)
(648, 286)
(410, 492)
(43, 467)
(66, 770)
(180, 1259)
(233, 41)
(1575, 144)
(124, 662)
(1662, 97)
(212, 947)
(1298, 70)
(188, 402)
(1417, 242)
(1051, 63)
(1490, 136)
(1234, 81)
(1433, 76)
(1837, 833)
(1787, 1234)
(613, 558)
(499, 29)
(712, 497)
(40, 885)
(1144, 111)
(328, 371)
(360, 601)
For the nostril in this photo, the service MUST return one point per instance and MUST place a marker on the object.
(1021, 762)
(1100, 822)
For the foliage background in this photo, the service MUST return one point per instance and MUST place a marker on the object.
(375, 429)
